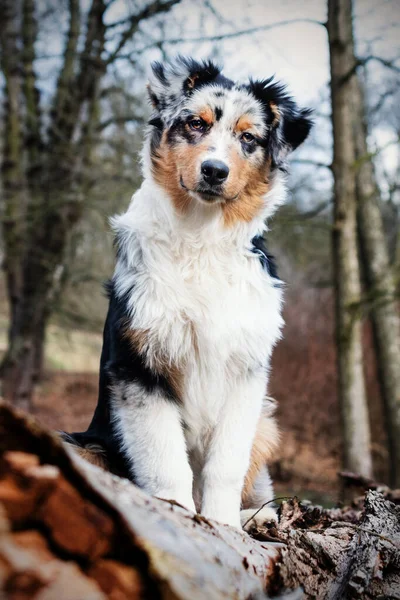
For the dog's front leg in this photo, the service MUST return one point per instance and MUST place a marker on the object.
(153, 440)
(228, 455)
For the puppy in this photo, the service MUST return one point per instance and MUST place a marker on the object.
(195, 300)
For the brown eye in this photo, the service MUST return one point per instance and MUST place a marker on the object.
(196, 124)
(247, 138)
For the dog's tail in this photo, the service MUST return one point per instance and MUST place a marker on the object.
(84, 446)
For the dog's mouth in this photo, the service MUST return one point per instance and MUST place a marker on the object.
(208, 194)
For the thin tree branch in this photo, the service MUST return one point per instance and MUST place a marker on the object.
(310, 161)
(221, 36)
(154, 8)
(120, 120)
(361, 62)
(64, 98)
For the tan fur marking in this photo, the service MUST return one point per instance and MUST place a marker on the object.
(248, 181)
(192, 81)
(254, 182)
(166, 174)
(139, 340)
(93, 454)
(171, 163)
(207, 115)
(243, 124)
(275, 111)
(264, 445)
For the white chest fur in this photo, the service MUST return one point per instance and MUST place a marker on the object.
(206, 305)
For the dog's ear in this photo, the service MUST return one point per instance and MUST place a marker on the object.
(176, 80)
(288, 125)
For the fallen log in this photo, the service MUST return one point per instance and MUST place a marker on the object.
(69, 530)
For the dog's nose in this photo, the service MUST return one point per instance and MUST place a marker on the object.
(214, 171)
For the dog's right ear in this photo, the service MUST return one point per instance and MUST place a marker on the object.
(172, 82)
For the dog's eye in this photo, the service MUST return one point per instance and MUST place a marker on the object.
(196, 124)
(247, 137)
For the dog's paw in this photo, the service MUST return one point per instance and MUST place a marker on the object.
(250, 520)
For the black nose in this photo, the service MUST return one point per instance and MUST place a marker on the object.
(214, 171)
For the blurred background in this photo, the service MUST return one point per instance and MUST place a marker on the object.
(73, 108)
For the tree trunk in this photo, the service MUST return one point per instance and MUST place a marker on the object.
(23, 363)
(70, 530)
(13, 176)
(352, 394)
(381, 294)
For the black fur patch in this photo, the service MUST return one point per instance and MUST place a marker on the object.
(156, 134)
(159, 71)
(266, 259)
(179, 130)
(295, 123)
(218, 113)
(119, 363)
(124, 363)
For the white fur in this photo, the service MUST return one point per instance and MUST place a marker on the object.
(261, 494)
(253, 517)
(152, 435)
(204, 300)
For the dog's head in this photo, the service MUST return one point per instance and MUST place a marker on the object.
(216, 141)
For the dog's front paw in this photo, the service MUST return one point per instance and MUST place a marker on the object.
(251, 519)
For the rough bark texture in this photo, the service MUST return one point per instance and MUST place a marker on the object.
(69, 530)
(381, 283)
(114, 534)
(13, 177)
(357, 454)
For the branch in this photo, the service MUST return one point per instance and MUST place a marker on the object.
(361, 62)
(310, 161)
(235, 34)
(314, 212)
(154, 8)
(389, 93)
(62, 123)
(120, 120)
(389, 64)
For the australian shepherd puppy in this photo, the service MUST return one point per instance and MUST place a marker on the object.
(195, 301)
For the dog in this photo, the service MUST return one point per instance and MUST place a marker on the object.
(195, 300)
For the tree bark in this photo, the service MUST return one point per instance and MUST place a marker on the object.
(381, 294)
(352, 394)
(13, 176)
(33, 133)
(70, 530)
(118, 539)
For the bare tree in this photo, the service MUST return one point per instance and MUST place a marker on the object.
(44, 167)
(380, 281)
(352, 394)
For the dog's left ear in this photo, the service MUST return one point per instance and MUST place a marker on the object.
(288, 125)
(172, 81)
